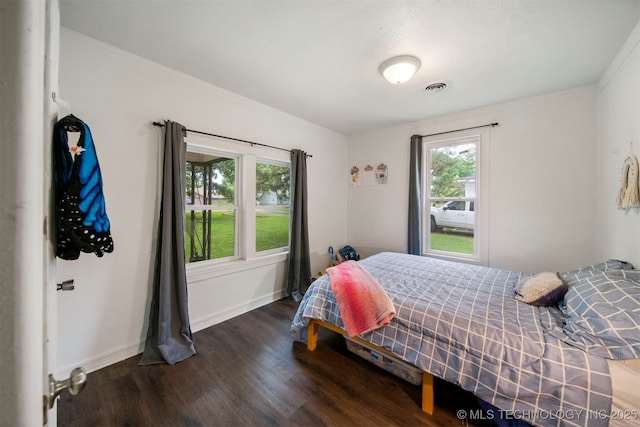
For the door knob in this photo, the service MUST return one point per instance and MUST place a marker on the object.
(75, 383)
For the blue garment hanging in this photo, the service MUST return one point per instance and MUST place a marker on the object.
(82, 222)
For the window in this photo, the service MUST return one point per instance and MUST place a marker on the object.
(451, 191)
(237, 205)
(273, 192)
(211, 210)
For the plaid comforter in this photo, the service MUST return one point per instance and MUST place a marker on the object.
(461, 323)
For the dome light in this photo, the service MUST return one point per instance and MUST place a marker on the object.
(399, 69)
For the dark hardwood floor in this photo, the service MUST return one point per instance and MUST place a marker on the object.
(248, 372)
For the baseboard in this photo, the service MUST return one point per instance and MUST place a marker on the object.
(102, 360)
(214, 318)
(132, 349)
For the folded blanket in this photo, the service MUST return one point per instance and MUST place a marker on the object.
(363, 303)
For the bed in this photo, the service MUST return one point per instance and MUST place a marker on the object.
(574, 362)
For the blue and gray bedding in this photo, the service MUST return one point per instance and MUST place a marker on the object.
(462, 323)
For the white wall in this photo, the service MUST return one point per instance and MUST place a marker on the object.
(119, 95)
(540, 165)
(618, 135)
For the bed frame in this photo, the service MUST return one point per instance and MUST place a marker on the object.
(427, 378)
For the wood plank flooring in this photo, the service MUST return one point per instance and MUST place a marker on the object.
(248, 372)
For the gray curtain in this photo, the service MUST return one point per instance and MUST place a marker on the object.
(169, 336)
(415, 197)
(299, 264)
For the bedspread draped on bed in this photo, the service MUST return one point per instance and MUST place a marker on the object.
(461, 323)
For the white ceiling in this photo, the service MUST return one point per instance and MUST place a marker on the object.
(318, 59)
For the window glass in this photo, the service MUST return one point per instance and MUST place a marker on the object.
(273, 193)
(456, 206)
(450, 194)
(211, 211)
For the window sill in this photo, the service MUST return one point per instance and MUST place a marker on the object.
(208, 270)
(453, 257)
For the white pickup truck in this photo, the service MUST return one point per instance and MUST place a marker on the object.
(453, 214)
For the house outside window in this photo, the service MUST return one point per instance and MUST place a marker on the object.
(450, 197)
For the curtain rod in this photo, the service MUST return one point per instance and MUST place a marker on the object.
(232, 139)
(459, 130)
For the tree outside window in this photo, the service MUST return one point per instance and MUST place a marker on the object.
(273, 195)
(211, 210)
(218, 199)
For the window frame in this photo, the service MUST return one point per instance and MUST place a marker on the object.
(479, 244)
(269, 161)
(245, 257)
(237, 205)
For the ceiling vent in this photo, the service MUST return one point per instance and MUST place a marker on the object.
(436, 87)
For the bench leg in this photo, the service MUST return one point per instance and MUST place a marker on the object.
(312, 335)
(427, 393)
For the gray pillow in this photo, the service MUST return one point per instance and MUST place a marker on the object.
(595, 269)
(602, 314)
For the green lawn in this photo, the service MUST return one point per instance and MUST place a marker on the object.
(272, 231)
(452, 242)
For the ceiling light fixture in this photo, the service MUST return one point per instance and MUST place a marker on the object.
(399, 69)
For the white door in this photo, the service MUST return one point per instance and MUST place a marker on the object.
(470, 216)
(29, 30)
(454, 214)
